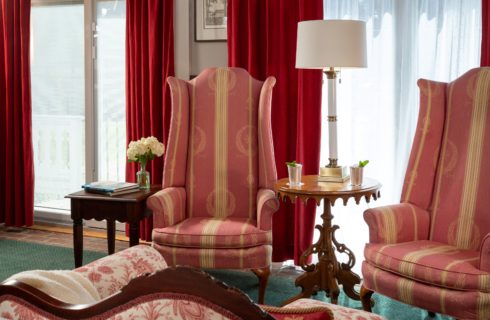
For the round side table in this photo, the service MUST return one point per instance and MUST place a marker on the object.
(327, 273)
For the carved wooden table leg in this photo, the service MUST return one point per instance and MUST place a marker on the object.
(345, 276)
(320, 276)
(328, 273)
(134, 233)
(111, 235)
(78, 241)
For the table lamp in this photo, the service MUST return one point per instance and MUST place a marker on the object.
(330, 45)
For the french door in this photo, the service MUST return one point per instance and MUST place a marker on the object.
(78, 96)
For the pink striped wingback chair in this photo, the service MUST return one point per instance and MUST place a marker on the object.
(216, 206)
(433, 249)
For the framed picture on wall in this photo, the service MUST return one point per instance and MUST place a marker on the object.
(210, 20)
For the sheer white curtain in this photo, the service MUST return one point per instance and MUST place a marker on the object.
(377, 107)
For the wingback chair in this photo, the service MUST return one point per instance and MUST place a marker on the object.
(433, 249)
(216, 206)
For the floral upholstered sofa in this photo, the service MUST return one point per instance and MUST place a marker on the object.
(137, 284)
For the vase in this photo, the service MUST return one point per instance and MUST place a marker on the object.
(143, 177)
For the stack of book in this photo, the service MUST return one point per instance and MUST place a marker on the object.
(111, 188)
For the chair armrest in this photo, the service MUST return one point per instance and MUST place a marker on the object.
(397, 223)
(109, 274)
(267, 204)
(485, 254)
(168, 206)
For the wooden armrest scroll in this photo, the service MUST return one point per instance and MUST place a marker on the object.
(181, 281)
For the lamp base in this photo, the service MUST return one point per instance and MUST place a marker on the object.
(334, 174)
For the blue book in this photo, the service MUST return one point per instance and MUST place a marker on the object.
(109, 186)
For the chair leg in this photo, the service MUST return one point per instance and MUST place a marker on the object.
(432, 315)
(263, 275)
(366, 298)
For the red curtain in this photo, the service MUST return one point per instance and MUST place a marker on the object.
(485, 43)
(149, 61)
(262, 39)
(16, 159)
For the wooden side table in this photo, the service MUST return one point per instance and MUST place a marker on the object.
(130, 208)
(328, 272)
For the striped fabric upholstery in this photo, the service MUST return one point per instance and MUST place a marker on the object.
(464, 170)
(459, 304)
(397, 223)
(267, 204)
(484, 263)
(419, 178)
(168, 206)
(222, 163)
(433, 249)
(244, 258)
(217, 203)
(216, 233)
(174, 172)
(431, 262)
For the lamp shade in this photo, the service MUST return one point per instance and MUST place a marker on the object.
(331, 43)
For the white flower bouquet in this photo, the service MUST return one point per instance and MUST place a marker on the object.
(142, 151)
(145, 149)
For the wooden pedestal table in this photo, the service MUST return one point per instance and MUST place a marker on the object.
(129, 207)
(328, 273)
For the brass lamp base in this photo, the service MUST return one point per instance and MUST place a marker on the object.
(334, 173)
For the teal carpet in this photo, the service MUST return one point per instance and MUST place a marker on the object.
(280, 288)
(16, 256)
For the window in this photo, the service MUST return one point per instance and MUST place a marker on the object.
(58, 101)
(111, 100)
(78, 96)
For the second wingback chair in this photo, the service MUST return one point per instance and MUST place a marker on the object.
(433, 249)
(216, 206)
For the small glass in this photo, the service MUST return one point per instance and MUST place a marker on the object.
(356, 175)
(295, 175)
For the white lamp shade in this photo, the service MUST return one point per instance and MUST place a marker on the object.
(331, 43)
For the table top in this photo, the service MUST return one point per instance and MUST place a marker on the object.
(127, 197)
(318, 190)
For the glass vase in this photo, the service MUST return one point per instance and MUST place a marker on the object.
(143, 177)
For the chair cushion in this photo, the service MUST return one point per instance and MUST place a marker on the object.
(200, 232)
(432, 263)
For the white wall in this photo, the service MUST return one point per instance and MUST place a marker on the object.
(192, 57)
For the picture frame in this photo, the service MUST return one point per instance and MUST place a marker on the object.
(210, 20)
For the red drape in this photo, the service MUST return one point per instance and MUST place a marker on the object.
(485, 42)
(149, 61)
(262, 39)
(16, 158)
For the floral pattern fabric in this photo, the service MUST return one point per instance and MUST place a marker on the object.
(170, 309)
(13, 310)
(111, 273)
(146, 308)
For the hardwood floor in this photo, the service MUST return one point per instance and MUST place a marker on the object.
(93, 240)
